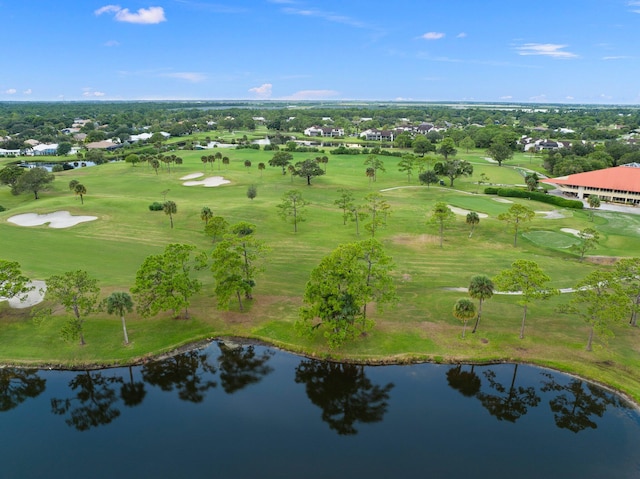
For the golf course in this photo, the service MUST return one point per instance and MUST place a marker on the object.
(429, 278)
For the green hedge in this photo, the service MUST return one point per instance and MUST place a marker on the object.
(534, 195)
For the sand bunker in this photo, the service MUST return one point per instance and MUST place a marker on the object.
(33, 297)
(59, 219)
(463, 212)
(502, 200)
(208, 182)
(192, 176)
(551, 215)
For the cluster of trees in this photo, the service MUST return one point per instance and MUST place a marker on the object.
(29, 180)
(581, 157)
(600, 299)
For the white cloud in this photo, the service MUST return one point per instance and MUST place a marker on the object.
(633, 4)
(546, 49)
(569, 97)
(539, 98)
(432, 36)
(332, 17)
(192, 77)
(262, 91)
(312, 95)
(112, 43)
(28, 91)
(461, 35)
(88, 92)
(618, 57)
(147, 16)
(11, 91)
(506, 97)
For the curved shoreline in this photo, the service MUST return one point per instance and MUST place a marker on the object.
(385, 361)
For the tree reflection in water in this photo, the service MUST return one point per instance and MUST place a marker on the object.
(132, 392)
(511, 403)
(344, 393)
(576, 407)
(240, 366)
(18, 385)
(466, 382)
(92, 405)
(186, 372)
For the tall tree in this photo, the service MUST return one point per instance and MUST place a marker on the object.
(428, 177)
(515, 216)
(205, 215)
(422, 145)
(216, 227)
(588, 238)
(9, 175)
(376, 163)
(472, 219)
(594, 204)
(467, 143)
(447, 148)
(453, 169)
(531, 180)
(527, 279)
(78, 293)
(33, 180)
(442, 214)
(627, 274)
(12, 282)
(339, 288)
(464, 309)
(378, 209)
(80, 190)
(252, 191)
(292, 208)
(499, 152)
(308, 169)
(481, 288)
(599, 300)
(281, 159)
(170, 209)
(119, 303)
(407, 165)
(346, 203)
(164, 282)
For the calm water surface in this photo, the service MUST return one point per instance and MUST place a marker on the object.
(241, 411)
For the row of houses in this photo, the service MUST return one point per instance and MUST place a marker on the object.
(372, 134)
(37, 150)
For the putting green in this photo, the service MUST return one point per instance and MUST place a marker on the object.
(551, 239)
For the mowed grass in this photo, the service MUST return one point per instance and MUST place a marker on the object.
(419, 327)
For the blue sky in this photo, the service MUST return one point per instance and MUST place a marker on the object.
(562, 51)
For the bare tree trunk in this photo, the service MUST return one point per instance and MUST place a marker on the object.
(478, 317)
(124, 330)
(524, 317)
(590, 341)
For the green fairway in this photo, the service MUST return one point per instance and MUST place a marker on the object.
(419, 327)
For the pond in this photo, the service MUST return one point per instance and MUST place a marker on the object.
(233, 410)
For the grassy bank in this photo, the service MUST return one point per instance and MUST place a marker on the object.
(419, 328)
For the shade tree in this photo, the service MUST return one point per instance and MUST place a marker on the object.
(453, 169)
(13, 284)
(308, 169)
(627, 274)
(441, 214)
(528, 281)
(164, 281)
(377, 209)
(515, 216)
(292, 208)
(77, 293)
(588, 239)
(376, 163)
(33, 180)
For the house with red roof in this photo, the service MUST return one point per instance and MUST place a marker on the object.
(620, 184)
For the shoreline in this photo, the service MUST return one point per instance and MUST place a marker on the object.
(386, 361)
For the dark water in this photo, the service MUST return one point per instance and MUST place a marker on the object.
(240, 411)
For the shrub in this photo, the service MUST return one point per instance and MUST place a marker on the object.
(155, 206)
(2, 208)
(537, 196)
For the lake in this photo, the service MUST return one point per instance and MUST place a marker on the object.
(233, 410)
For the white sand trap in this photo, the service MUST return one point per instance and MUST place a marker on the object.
(502, 200)
(59, 219)
(570, 231)
(33, 297)
(551, 215)
(192, 176)
(208, 182)
(462, 212)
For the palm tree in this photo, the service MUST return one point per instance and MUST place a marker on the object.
(206, 214)
(472, 219)
(80, 190)
(371, 173)
(225, 161)
(118, 303)
(155, 164)
(204, 159)
(481, 287)
(218, 156)
(170, 208)
(464, 310)
(261, 167)
(72, 184)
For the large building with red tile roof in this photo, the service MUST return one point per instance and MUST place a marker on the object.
(620, 184)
